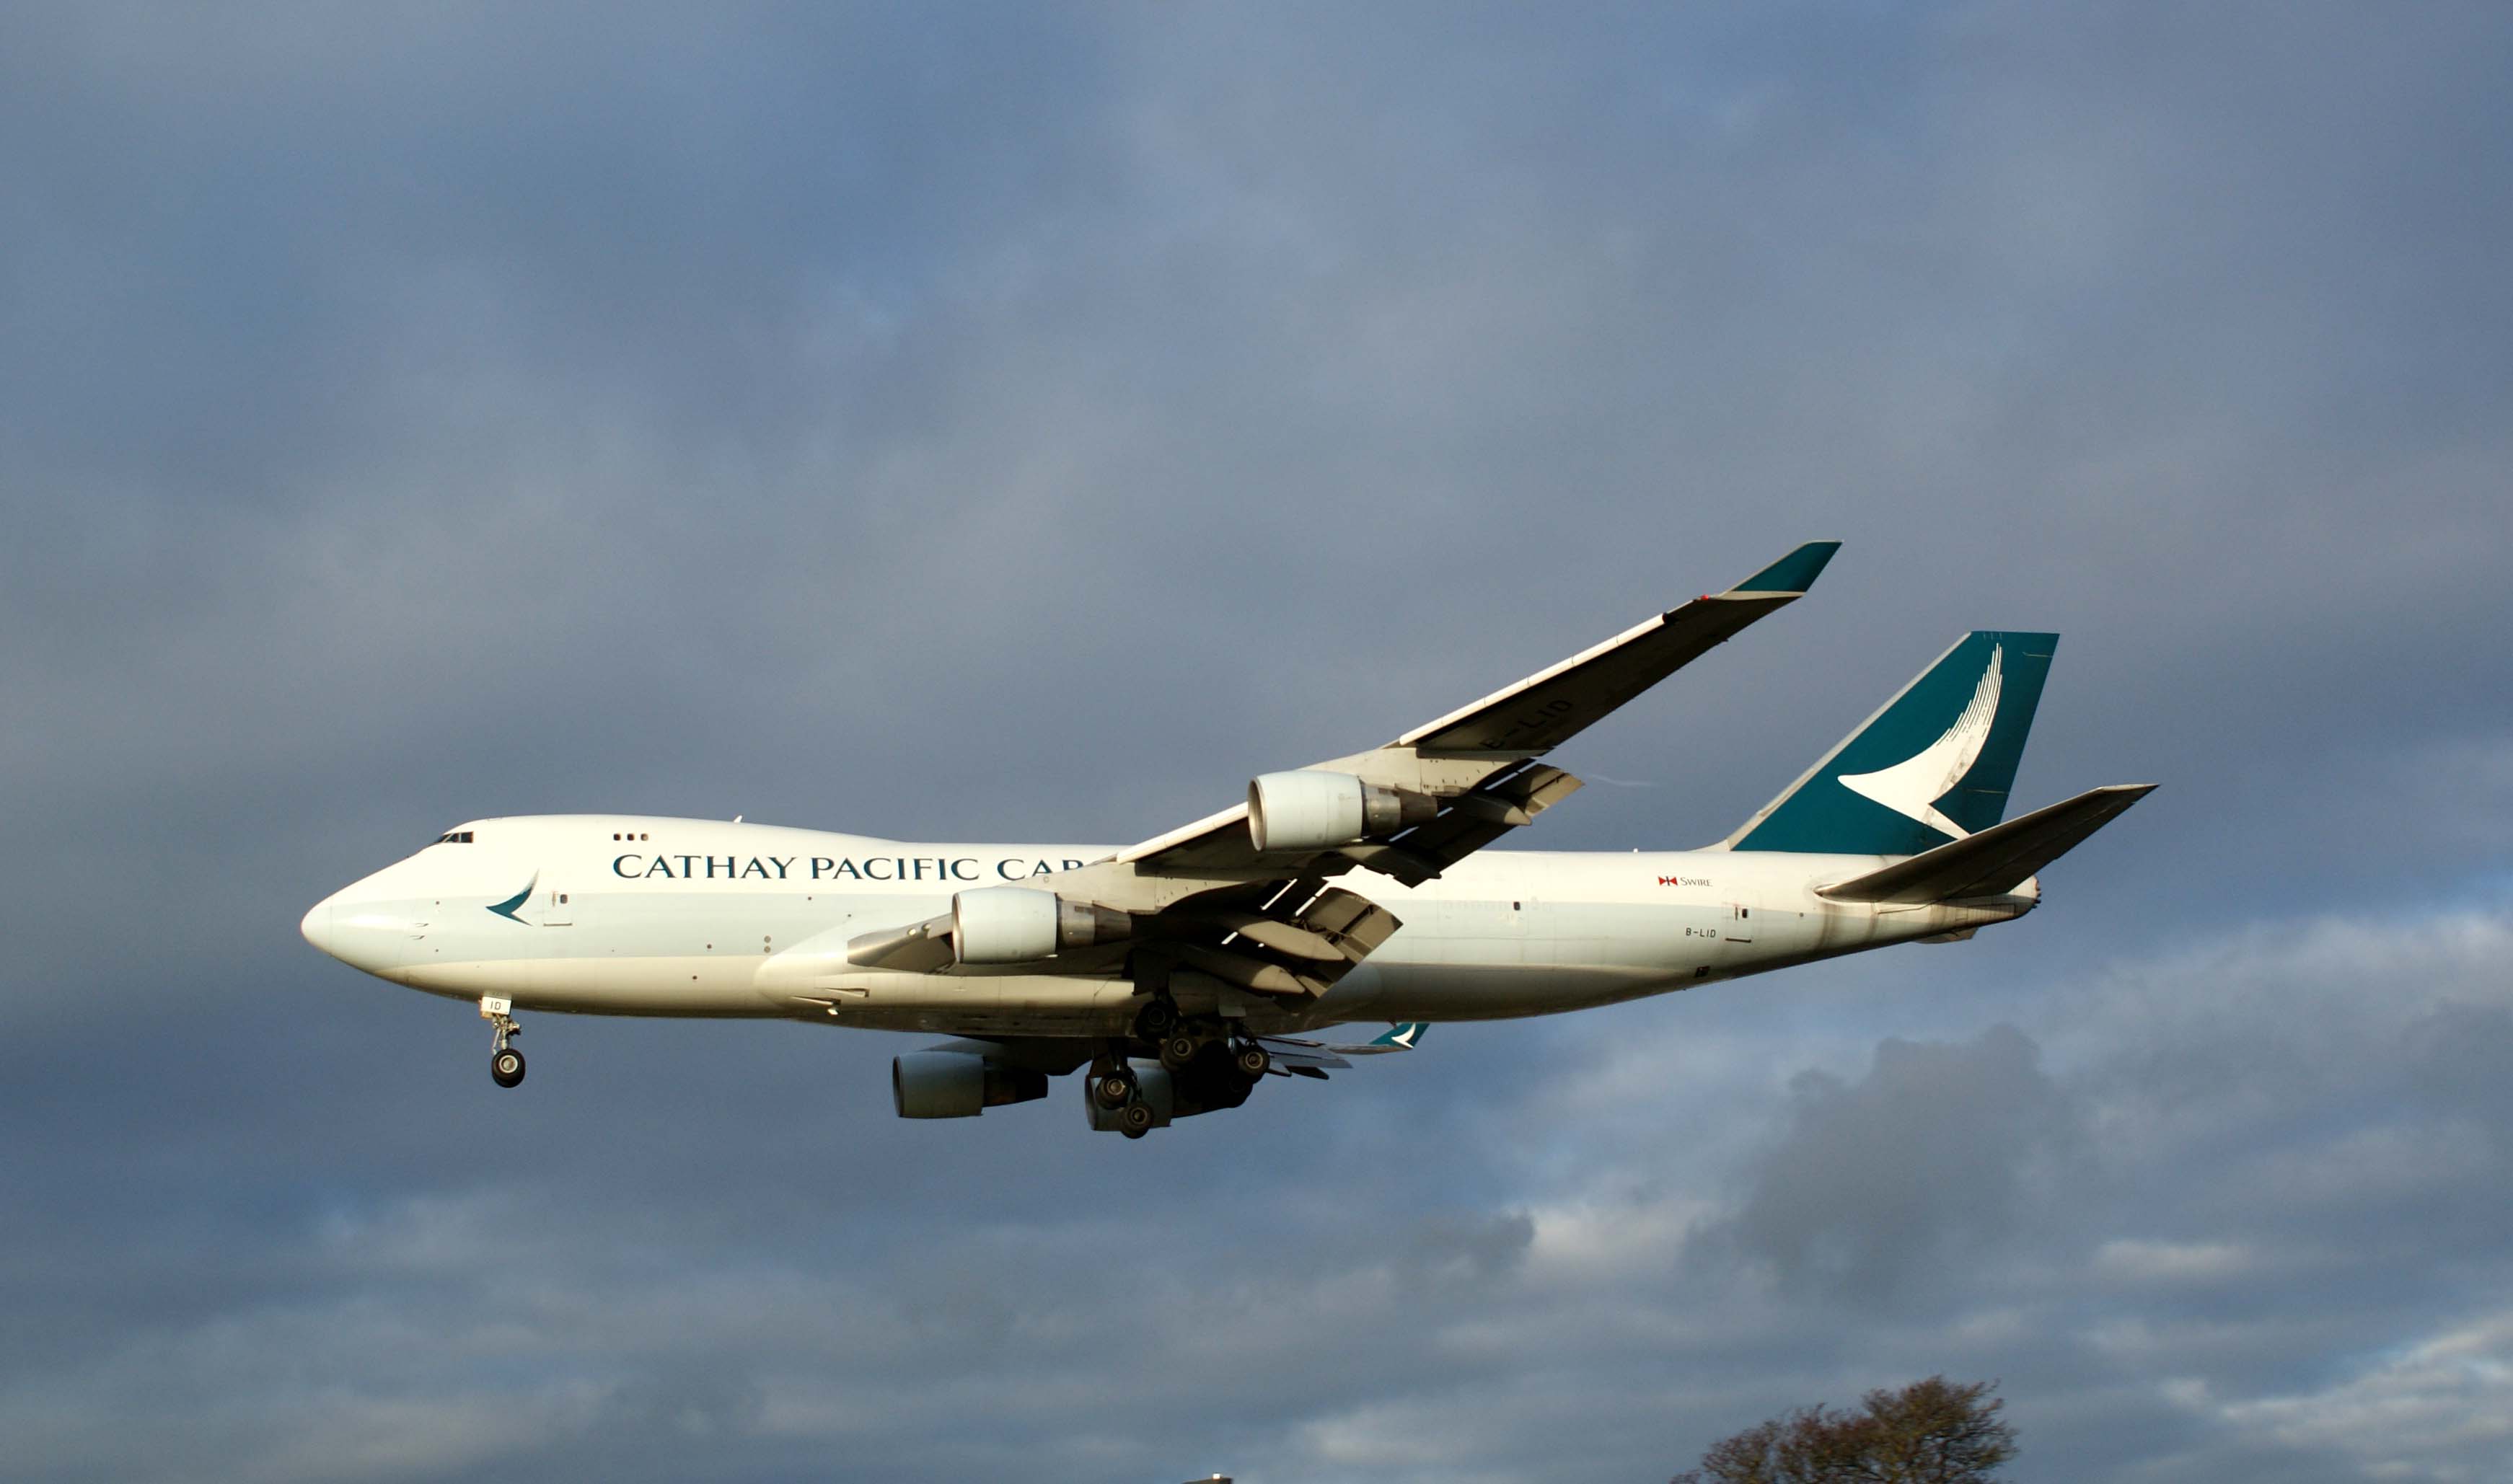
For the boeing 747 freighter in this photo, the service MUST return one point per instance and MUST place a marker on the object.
(1185, 970)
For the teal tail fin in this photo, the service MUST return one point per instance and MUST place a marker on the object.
(1934, 765)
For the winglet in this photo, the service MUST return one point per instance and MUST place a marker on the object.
(1793, 574)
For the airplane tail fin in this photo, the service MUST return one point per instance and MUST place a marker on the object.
(1933, 765)
(1997, 860)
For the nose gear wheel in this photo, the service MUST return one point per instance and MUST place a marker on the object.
(506, 1062)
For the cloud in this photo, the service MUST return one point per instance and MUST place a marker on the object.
(1930, 1153)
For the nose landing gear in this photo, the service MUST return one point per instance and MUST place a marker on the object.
(505, 1063)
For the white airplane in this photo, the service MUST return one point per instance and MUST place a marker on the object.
(1182, 969)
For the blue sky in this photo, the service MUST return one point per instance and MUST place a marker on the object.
(990, 424)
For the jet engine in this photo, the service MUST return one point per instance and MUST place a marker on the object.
(1018, 924)
(947, 1084)
(1312, 809)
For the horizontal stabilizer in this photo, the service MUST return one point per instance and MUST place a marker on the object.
(1996, 860)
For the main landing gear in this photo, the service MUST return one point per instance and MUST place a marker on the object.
(506, 1062)
(1181, 1041)
(1173, 1066)
(1116, 1089)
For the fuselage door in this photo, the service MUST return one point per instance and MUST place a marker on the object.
(1739, 926)
(557, 910)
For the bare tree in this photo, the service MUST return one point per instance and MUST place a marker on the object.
(1931, 1431)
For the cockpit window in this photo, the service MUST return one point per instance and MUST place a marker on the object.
(454, 837)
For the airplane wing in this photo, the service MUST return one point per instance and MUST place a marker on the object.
(1244, 900)
(1296, 1057)
(1503, 733)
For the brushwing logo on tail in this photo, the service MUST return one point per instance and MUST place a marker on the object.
(1912, 787)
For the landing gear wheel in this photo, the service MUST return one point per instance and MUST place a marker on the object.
(1252, 1062)
(1113, 1090)
(1136, 1120)
(1180, 1050)
(1157, 1020)
(505, 1065)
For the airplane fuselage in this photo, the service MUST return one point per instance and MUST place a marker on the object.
(623, 914)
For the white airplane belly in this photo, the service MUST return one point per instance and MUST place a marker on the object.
(706, 985)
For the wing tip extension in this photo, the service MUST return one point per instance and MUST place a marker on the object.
(1793, 574)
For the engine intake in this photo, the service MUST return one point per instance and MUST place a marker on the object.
(1313, 809)
(1019, 924)
(948, 1084)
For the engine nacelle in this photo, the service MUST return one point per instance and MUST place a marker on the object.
(1019, 924)
(1313, 809)
(947, 1084)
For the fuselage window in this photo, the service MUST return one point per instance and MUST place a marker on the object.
(454, 837)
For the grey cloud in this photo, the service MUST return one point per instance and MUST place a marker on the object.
(1926, 1157)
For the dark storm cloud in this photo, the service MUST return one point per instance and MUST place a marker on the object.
(1005, 422)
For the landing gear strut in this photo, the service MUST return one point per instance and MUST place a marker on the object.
(505, 1063)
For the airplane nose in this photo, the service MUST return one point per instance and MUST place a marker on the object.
(317, 926)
